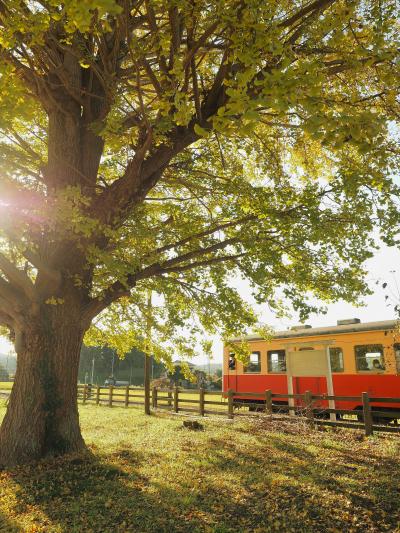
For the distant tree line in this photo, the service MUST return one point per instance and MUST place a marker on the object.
(105, 363)
(4, 375)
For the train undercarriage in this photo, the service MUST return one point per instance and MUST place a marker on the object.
(255, 405)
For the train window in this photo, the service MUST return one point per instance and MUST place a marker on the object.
(397, 357)
(369, 358)
(232, 361)
(276, 360)
(336, 356)
(254, 363)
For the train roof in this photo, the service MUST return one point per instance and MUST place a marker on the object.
(381, 325)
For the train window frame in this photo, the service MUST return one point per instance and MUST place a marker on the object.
(372, 349)
(341, 359)
(232, 359)
(396, 350)
(246, 368)
(269, 362)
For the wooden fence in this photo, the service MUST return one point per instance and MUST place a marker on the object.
(203, 402)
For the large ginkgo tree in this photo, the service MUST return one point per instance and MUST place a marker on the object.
(177, 147)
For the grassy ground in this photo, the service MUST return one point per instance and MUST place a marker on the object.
(149, 474)
(6, 385)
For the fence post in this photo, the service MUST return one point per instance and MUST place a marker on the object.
(84, 397)
(127, 396)
(110, 396)
(230, 403)
(170, 398)
(308, 407)
(176, 399)
(154, 398)
(146, 399)
(201, 401)
(367, 414)
(268, 401)
(97, 395)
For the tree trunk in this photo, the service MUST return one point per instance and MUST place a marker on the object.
(42, 414)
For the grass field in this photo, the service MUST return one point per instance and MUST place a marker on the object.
(149, 474)
(6, 385)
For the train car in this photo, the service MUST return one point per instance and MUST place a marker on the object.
(343, 360)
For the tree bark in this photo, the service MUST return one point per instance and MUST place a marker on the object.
(42, 415)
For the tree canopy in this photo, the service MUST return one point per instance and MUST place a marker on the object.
(173, 145)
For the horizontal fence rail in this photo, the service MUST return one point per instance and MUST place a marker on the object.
(204, 402)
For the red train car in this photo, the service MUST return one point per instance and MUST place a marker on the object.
(342, 360)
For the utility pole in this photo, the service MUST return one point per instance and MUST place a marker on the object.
(147, 358)
(112, 365)
(92, 380)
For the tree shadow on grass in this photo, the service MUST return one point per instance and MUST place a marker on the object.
(86, 494)
(83, 494)
(7, 525)
(275, 486)
(315, 495)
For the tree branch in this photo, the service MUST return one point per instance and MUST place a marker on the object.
(17, 277)
(199, 252)
(120, 289)
(199, 43)
(204, 233)
(317, 5)
(5, 318)
(205, 262)
(11, 297)
(139, 177)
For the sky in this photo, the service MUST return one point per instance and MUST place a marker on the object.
(383, 267)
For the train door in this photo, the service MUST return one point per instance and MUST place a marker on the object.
(316, 384)
(309, 370)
